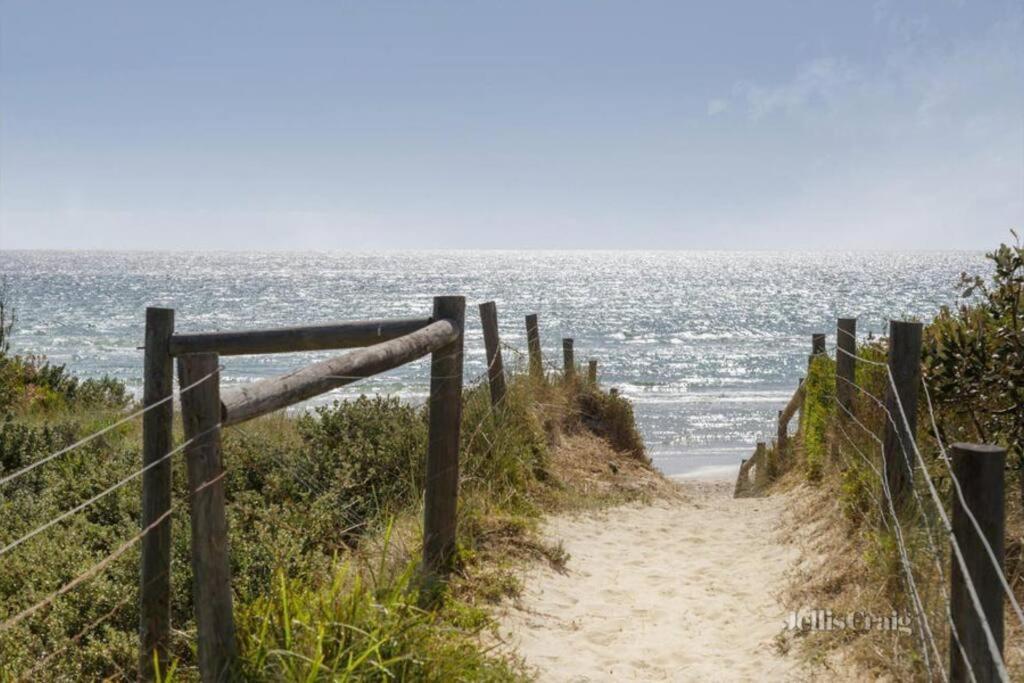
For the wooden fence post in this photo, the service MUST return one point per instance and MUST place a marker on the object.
(781, 440)
(761, 473)
(980, 471)
(568, 361)
(846, 364)
(211, 568)
(492, 344)
(592, 371)
(533, 345)
(803, 403)
(157, 430)
(445, 417)
(817, 343)
(741, 479)
(905, 366)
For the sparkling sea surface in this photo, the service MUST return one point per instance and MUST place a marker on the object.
(707, 345)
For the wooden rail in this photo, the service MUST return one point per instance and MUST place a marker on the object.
(239, 404)
(345, 335)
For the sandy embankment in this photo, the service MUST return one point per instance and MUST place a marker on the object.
(681, 590)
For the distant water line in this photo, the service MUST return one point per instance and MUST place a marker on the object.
(707, 345)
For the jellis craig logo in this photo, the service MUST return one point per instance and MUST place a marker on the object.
(827, 620)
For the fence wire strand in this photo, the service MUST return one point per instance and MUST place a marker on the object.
(920, 465)
(81, 442)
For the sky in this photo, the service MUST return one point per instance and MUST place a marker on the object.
(552, 124)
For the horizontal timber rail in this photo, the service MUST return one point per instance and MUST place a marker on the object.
(345, 335)
(794, 405)
(242, 403)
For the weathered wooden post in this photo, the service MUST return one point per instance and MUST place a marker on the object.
(781, 439)
(761, 473)
(905, 367)
(614, 391)
(846, 350)
(211, 568)
(980, 471)
(817, 348)
(533, 345)
(846, 364)
(492, 344)
(445, 408)
(568, 361)
(817, 343)
(803, 404)
(741, 479)
(157, 429)
(592, 371)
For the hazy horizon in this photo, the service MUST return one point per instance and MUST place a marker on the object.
(396, 250)
(638, 125)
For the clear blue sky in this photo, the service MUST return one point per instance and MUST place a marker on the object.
(524, 124)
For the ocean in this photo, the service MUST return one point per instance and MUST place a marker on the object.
(707, 345)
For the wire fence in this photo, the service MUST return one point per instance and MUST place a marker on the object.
(926, 548)
(297, 464)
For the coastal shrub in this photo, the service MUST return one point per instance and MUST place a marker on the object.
(33, 383)
(370, 453)
(974, 359)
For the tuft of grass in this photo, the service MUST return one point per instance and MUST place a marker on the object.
(354, 628)
(611, 418)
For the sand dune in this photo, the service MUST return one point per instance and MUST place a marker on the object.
(675, 591)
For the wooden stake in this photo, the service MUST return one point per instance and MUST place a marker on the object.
(846, 364)
(742, 479)
(492, 344)
(568, 361)
(817, 343)
(157, 430)
(211, 567)
(761, 473)
(781, 438)
(592, 371)
(803, 404)
(442, 487)
(980, 471)
(905, 366)
(533, 345)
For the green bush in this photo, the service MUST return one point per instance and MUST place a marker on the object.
(32, 382)
(370, 453)
(974, 359)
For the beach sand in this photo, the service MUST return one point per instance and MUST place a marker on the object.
(680, 590)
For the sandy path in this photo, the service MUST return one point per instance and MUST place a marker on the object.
(678, 591)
